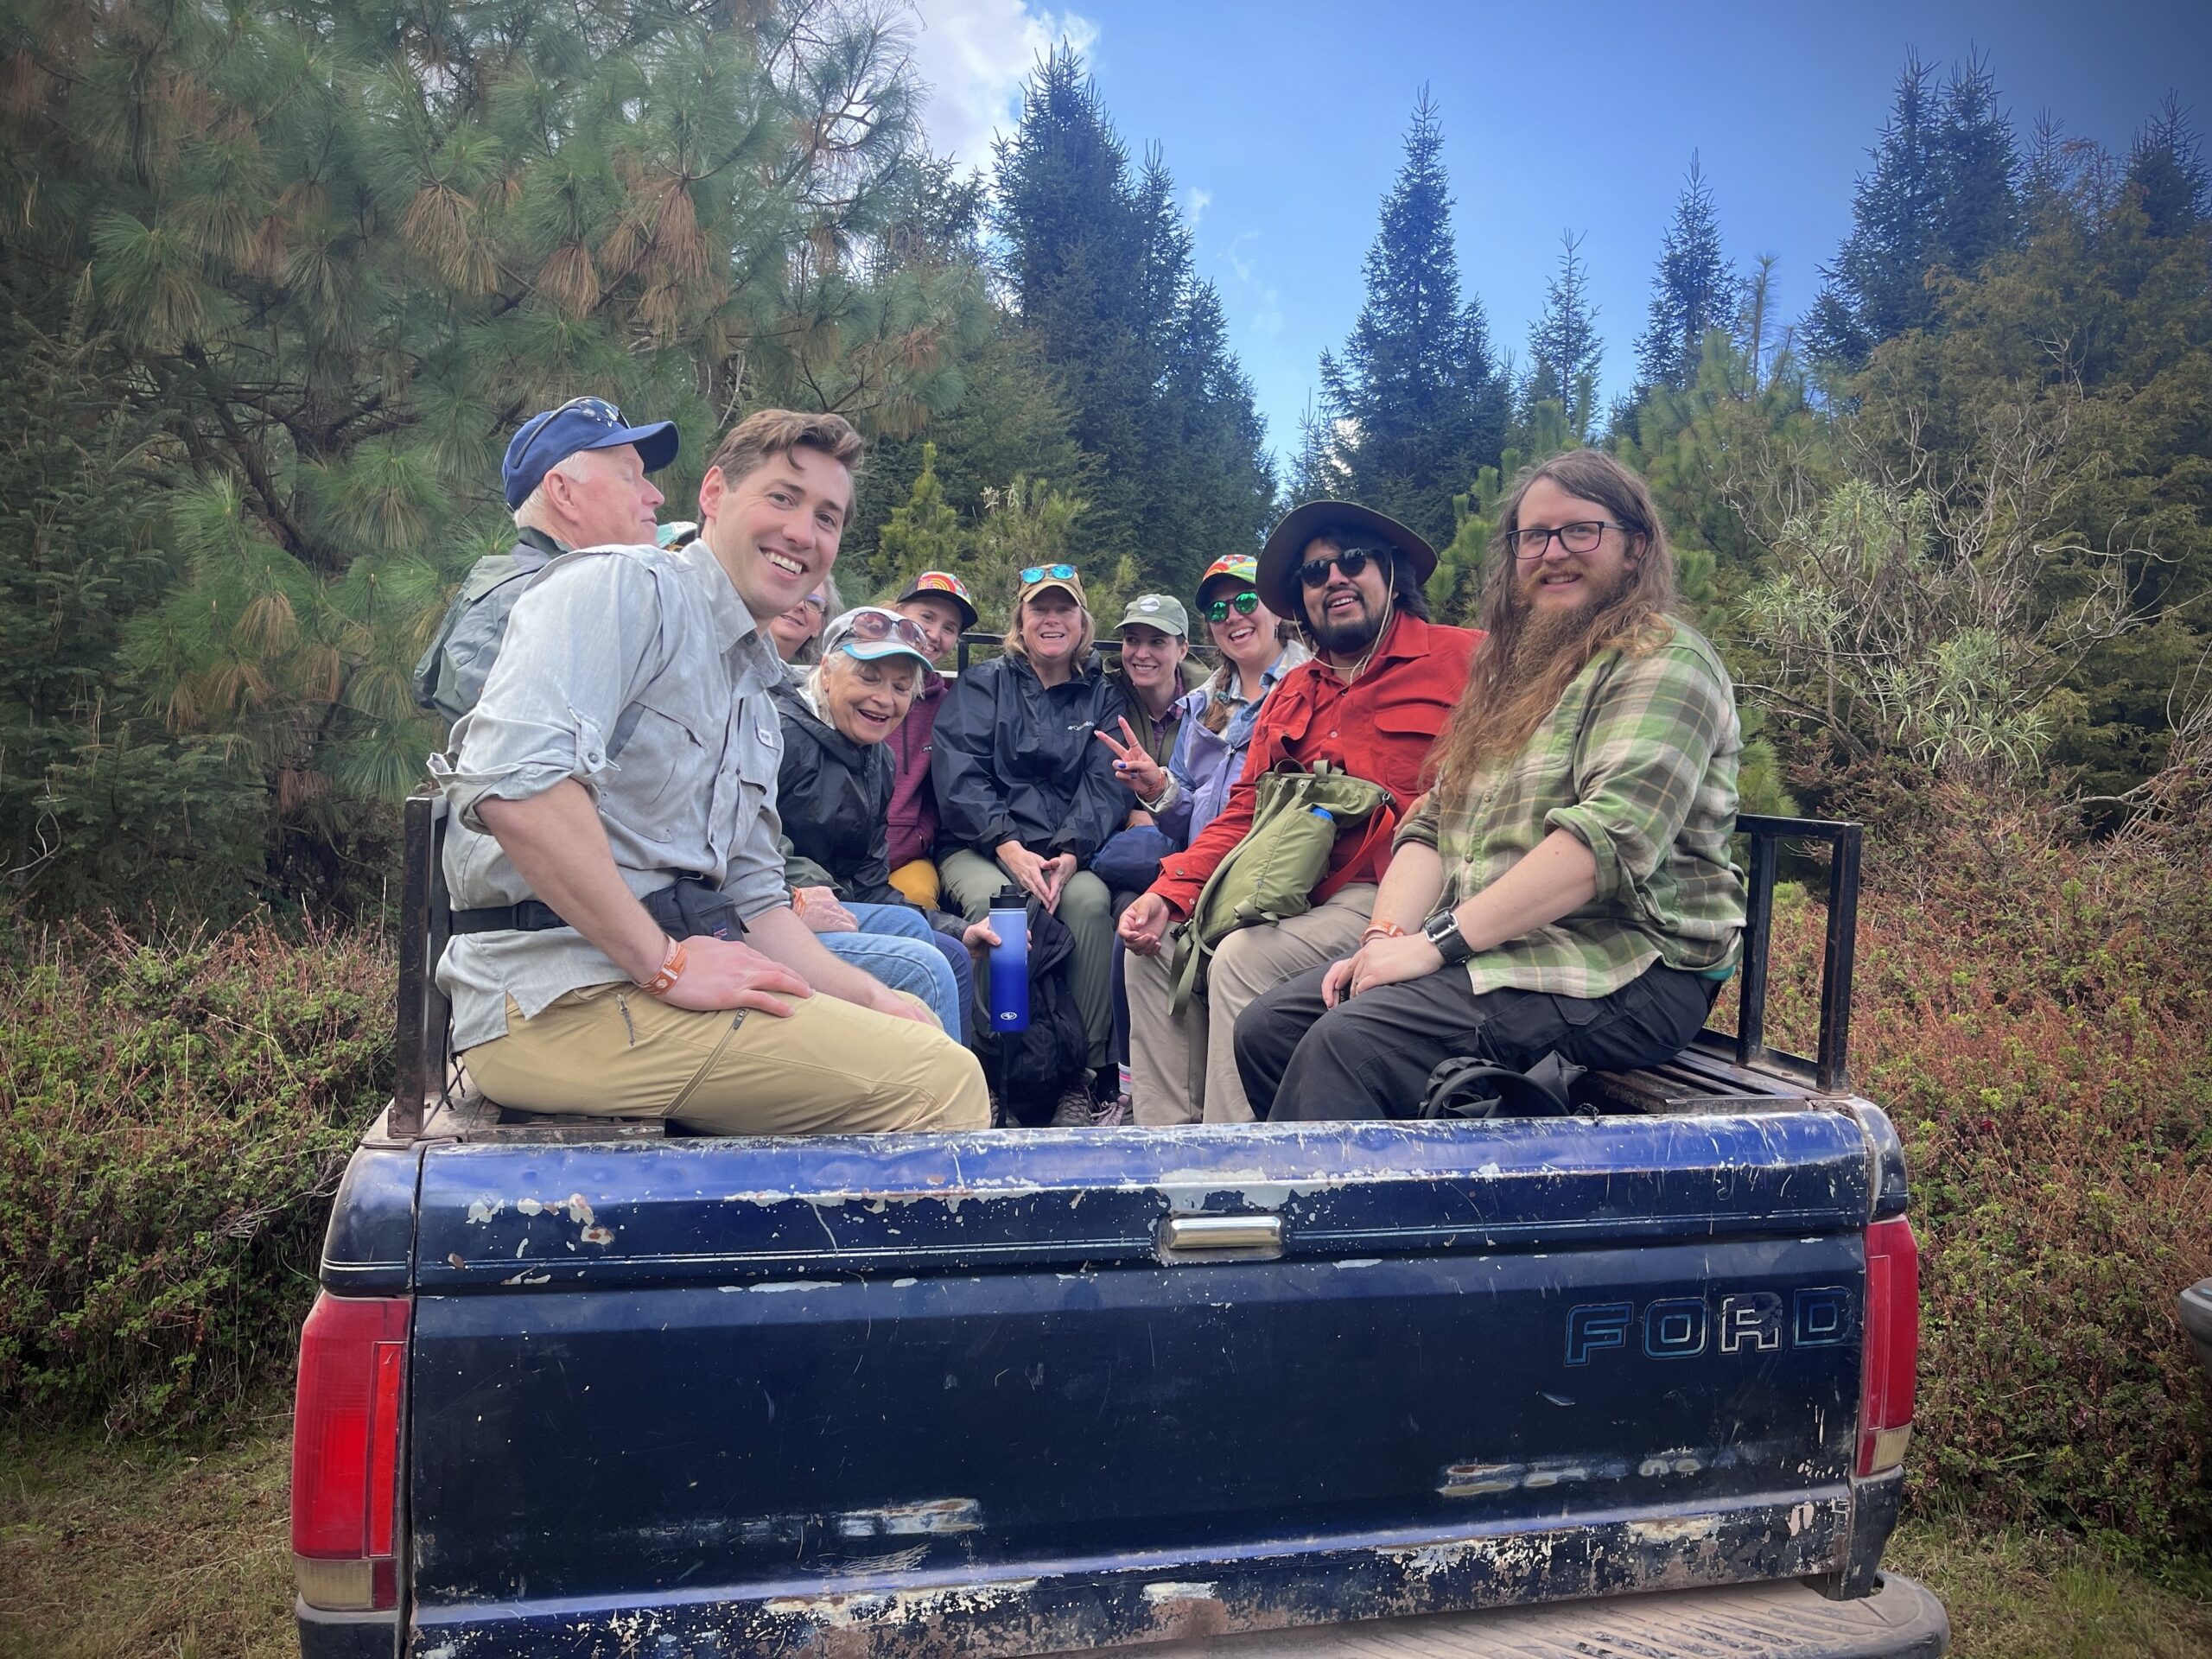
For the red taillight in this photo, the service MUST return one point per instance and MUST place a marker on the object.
(346, 1452)
(1893, 1345)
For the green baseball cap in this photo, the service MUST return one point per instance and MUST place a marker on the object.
(1157, 611)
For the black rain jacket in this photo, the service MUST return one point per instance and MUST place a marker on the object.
(834, 796)
(1015, 761)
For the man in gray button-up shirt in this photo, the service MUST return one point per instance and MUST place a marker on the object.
(576, 476)
(625, 739)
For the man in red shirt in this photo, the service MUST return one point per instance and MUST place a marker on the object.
(1380, 687)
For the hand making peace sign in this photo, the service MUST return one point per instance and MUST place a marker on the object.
(1133, 766)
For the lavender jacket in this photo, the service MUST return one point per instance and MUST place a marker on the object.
(1206, 764)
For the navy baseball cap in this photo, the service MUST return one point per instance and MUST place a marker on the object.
(547, 439)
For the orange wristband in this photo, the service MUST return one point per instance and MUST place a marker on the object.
(1383, 930)
(671, 969)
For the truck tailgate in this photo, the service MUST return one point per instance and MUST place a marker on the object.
(1019, 1392)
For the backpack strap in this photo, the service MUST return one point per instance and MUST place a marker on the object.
(1382, 824)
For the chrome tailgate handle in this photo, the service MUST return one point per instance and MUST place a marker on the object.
(1215, 1238)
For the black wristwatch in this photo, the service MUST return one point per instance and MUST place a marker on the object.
(1442, 930)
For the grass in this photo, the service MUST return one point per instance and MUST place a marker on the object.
(123, 1549)
(2046, 1595)
(133, 1548)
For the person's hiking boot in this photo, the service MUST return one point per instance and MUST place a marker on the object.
(1074, 1108)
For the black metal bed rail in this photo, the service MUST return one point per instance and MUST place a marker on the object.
(425, 1017)
(1104, 644)
(1830, 1069)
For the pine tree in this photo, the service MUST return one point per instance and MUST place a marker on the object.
(1979, 167)
(1876, 288)
(1564, 351)
(2166, 168)
(1215, 487)
(338, 260)
(1414, 401)
(1943, 193)
(1755, 324)
(924, 534)
(1317, 472)
(1100, 271)
(1694, 290)
(1074, 261)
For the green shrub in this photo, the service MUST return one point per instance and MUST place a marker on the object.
(177, 1112)
(2036, 1016)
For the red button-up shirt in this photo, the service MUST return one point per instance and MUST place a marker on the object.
(1380, 727)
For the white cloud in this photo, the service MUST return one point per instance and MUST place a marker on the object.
(1237, 262)
(973, 55)
(1195, 203)
(1263, 303)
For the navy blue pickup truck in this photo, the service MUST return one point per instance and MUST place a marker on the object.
(1635, 1382)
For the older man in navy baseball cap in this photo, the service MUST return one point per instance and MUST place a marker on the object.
(576, 476)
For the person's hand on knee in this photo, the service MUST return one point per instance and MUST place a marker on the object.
(1058, 872)
(1144, 924)
(719, 974)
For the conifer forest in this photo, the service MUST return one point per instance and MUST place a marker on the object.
(281, 279)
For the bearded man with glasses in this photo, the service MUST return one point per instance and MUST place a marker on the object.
(1566, 886)
(1371, 700)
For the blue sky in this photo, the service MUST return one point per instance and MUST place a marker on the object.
(1284, 123)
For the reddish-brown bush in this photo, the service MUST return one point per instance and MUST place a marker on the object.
(2036, 1015)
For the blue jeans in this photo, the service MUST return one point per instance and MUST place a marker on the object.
(897, 945)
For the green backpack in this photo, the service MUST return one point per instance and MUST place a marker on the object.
(1275, 872)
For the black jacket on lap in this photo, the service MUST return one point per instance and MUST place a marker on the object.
(834, 796)
(1012, 760)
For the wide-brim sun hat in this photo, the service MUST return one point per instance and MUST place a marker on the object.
(1286, 548)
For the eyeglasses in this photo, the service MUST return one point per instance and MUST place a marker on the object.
(1037, 573)
(1314, 572)
(872, 627)
(1243, 604)
(1575, 538)
(820, 602)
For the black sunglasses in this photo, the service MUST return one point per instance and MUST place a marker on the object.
(1243, 604)
(1314, 572)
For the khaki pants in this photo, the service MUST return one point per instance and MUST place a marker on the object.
(1183, 1067)
(830, 1067)
(1086, 907)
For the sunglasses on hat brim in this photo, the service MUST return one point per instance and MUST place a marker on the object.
(872, 625)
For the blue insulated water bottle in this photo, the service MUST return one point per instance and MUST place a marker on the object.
(1009, 991)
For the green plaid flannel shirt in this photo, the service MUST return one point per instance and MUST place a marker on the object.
(1637, 760)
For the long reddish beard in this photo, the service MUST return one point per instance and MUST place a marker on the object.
(1524, 667)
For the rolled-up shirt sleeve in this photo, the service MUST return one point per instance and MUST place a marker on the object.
(1646, 745)
(755, 880)
(548, 715)
(1418, 826)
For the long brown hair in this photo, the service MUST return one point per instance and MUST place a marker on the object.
(1507, 698)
